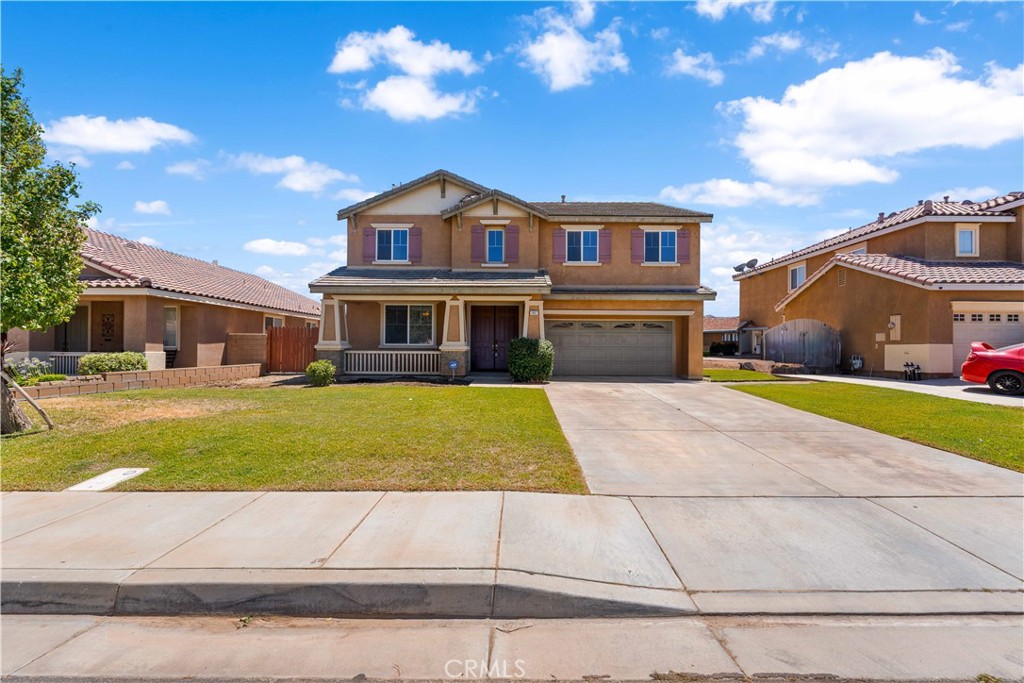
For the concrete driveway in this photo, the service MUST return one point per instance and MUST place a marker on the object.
(698, 439)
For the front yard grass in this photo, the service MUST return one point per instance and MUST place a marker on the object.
(727, 375)
(339, 438)
(989, 433)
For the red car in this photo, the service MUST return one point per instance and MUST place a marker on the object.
(1002, 369)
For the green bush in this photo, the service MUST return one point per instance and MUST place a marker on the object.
(97, 363)
(51, 377)
(320, 373)
(530, 360)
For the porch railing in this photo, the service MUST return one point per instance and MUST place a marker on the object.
(392, 362)
(65, 362)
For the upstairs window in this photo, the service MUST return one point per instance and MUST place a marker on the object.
(392, 244)
(797, 275)
(581, 246)
(660, 246)
(967, 241)
(495, 246)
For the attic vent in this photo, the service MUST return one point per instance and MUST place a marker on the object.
(842, 277)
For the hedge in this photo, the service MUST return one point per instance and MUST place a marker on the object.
(320, 373)
(97, 363)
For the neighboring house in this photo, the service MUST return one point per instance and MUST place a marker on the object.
(727, 329)
(443, 269)
(914, 286)
(176, 310)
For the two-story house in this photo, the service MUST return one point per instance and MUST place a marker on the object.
(443, 271)
(916, 286)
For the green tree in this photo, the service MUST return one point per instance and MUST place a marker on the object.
(40, 232)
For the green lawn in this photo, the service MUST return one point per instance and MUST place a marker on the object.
(993, 434)
(726, 375)
(354, 437)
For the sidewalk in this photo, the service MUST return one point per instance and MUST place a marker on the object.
(765, 649)
(510, 555)
(950, 387)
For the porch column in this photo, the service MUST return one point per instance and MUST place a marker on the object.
(454, 343)
(533, 319)
(333, 333)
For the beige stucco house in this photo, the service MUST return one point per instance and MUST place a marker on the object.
(917, 285)
(177, 310)
(444, 270)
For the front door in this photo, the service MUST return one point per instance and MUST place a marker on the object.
(491, 329)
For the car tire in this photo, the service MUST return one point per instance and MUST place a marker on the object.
(1006, 382)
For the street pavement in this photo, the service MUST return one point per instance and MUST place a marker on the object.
(727, 535)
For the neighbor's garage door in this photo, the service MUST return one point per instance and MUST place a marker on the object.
(998, 329)
(612, 347)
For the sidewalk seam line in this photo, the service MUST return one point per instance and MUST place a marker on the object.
(59, 645)
(663, 553)
(119, 494)
(351, 531)
(497, 557)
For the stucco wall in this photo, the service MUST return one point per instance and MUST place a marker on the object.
(436, 244)
(462, 241)
(621, 270)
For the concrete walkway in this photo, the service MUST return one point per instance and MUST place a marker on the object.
(947, 388)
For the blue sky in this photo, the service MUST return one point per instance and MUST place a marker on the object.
(235, 131)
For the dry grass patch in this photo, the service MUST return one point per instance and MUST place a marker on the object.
(80, 414)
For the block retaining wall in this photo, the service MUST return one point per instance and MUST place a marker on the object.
(144, 379)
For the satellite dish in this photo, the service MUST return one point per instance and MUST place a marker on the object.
(751, 263)
(740, 268)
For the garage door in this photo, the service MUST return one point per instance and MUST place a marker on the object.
(612, 347)
(998, 329)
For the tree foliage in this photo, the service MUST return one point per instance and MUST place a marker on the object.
(40, 231)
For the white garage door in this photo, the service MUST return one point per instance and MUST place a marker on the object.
(612, 347)
(998, 329)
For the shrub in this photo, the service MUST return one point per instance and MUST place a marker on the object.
(51, 377)
(724, 348)
(320, 373)
(24, 370)
(126, 361)
(530, 360)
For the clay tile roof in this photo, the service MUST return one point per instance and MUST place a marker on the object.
(143, 266)
(714, 323)
(624, 209)
(938, 272)
(920, 210)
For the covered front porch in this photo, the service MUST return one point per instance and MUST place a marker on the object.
(425, 335)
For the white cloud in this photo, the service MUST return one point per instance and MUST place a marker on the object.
(959, 194)
(125, 166)
(398, 47)
(407, 98)
(108, 225)
(277, 247)
(194, 168)
(412, 94)
(583, 12)
(700, 66)
(840, 127)
(759, 10)
(823, 51)
(660, 33)
(297, 280)
(958, 26)
(73, 157)
(351, 194)
(93, 134)
(727, 192)
(148, 241)
(296, 173)
(921, 20)
(564, 58)
(156, 206)
(789, 41)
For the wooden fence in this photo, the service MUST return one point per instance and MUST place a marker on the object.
(291, 349)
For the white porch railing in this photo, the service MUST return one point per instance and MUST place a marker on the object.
(392, 362)
(65, 362)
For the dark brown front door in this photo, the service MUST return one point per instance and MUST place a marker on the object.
(491, 329)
